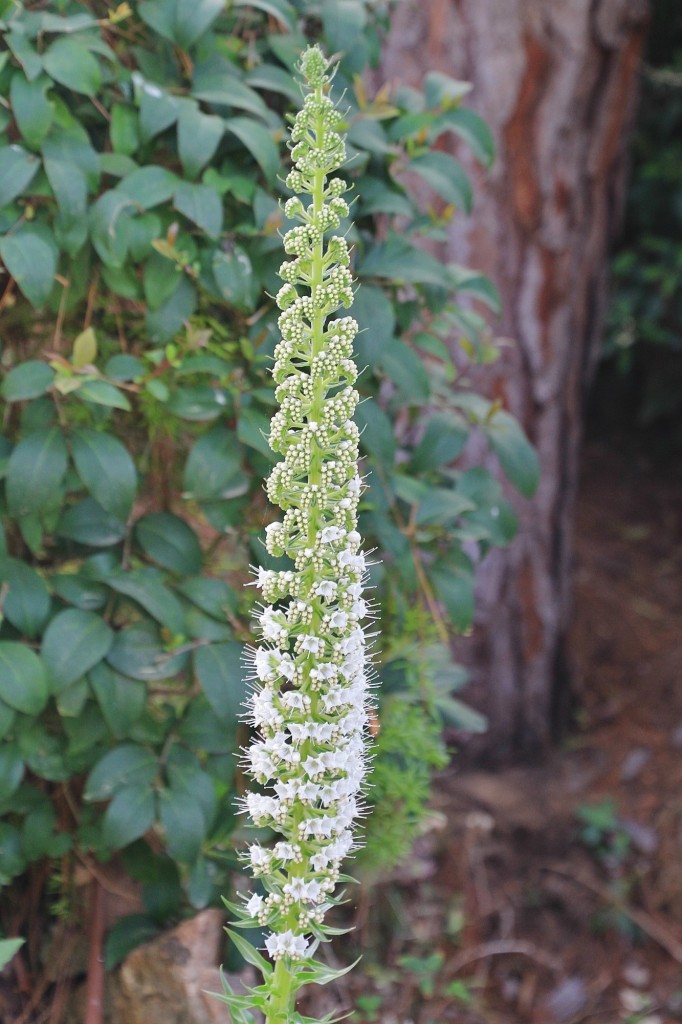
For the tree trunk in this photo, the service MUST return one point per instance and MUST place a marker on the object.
(556, 81)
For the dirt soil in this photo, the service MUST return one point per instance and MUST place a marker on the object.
(552, 893)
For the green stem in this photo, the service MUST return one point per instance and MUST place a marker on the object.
(280, 1005)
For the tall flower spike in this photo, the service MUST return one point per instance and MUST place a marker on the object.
(310, 695)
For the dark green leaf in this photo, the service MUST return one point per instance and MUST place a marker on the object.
(233, 275)
(213, 596)
(109, 219)
(12, 860)
(17, 168)
(220, 672)
(128, 764)
(73, 148)
(472, 283)
(181, 21)
(27, 601)
(146, 588)
(249, 953)
(198, 138)
(127, 934)
(121, 700)
(201, 204)
(79, 591)
(8, 947)
(517, 456)
(148, 186)
(32, 262)
(107, 470)
(400, 260)
(252, 430)
(165, 322)
(31, 108)
(138, 651)
(124, 367)
(158, 110)
(36, 467)
(280, 10)
(344, 22)
(259, 142)
(7, 717)
(160, 280)
(214, 465)
(374, 313)
(11, 770)
(217, 81)
(72, 65)
(74, 641)
(22, 678)
(170, 542)
(274, 79)
(444, 175)
(443, 440)
(183, 821)
(454, 586)
(404, 367)
(27, 380)
(376, 432)
(88, 523)
(129, 815)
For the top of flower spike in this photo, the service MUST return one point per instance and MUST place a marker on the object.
(314, 67)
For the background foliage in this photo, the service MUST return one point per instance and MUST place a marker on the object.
(644, 341)
(140, 178)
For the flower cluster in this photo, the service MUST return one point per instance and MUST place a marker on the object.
(310, 686)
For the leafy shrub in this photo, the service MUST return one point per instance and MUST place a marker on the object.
(644, 338)
(140, 179)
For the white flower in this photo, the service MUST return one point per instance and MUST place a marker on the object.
(339, 620)
(311, 644)
(255, 905)
(329, 534)
(279, 944)
(326, 589)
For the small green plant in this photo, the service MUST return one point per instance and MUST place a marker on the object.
(601, 830)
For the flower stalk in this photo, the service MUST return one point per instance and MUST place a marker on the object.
(310, 696)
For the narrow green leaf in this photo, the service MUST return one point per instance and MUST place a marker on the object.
(251, 955)
(517, 456)
(101, 392)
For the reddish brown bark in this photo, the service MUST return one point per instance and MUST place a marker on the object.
(557, 82)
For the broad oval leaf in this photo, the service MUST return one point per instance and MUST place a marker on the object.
(170, 542)
(35, 470)
(220, 671)
(146, 588)
(517, 456)
(88, 523)
(22, 678)
(201, 204)
(138, 651)
(73, 643)
(125, 765)
(214, 464)
(106, 468)
(129, 815)
(27, 380)
(31, 108)
(71, 64)
(17, 168)
(259, 142)
(27, 600)
(31, 258)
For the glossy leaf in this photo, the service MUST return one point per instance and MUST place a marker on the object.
(73, 643)
(22, 678)
(200, 204)
(149, 186)
(27, 380)
(17, 169)
(139, 652)
(170, 542)
(35, 470)
(31, 259)
(259, 142)
(26, 602)
(126, 765)
(106, 468)
(129, 815)
(183, 822)
(73, 65)
(31, 108)
(219, 669)
(198, 137)
(146, 588)
(88, 523)
(213, 466)
(121, 700)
